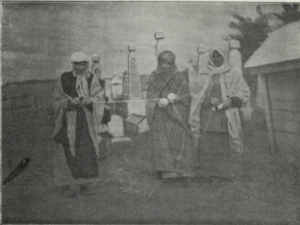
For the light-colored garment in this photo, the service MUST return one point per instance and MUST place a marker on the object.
(96, 69)
(93, 118)
(232, 85)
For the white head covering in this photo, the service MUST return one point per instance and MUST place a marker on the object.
(79, 57)
(96, 68)
(95, 58)
(210, 68)
(81, 81)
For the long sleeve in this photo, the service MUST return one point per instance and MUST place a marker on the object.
(150, 105)
(183, 93)
(206, 101)
(180, 87)
(60, 103)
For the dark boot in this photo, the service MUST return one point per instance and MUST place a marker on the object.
(86, 190)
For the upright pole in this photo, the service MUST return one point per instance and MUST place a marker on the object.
(131, 48)
(201, 50)
(158, 35)
(129, 74)
(156, 47)
(268, 111)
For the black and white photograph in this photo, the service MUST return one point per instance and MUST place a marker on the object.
(150, 112)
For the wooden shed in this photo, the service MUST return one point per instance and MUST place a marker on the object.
(277, 64)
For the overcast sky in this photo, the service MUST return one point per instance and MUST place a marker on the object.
(41, 37)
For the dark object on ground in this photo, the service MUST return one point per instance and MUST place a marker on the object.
(22, 165)
(68, 191)
(106, 116)
(105, 145)
(86, 190)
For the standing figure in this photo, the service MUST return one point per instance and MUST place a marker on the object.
(105, 134)
(78, 105)
(173, 152)
(222, 87)
(96, 68)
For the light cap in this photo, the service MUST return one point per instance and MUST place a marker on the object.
(79, 57)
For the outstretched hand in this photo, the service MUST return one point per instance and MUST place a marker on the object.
(227, 103)
(163, 102)
(87, 101)
(75, 102)
(172, 97)
(215, 101)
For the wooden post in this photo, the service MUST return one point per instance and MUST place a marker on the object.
(202, 49)
(156, 47)
(158, 36)
(268, 112)
(234, 55)
(129, 74)
(131, 48)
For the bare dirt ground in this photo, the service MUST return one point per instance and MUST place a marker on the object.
(265, 192)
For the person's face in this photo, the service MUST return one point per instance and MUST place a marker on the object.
(165, 64)
(217, 59)
(80, 67)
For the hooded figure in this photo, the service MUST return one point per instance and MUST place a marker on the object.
(96, 68)
(78, 106)
(219, 84)
(172, 145)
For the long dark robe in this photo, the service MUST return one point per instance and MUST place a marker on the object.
(84, 163)
(172, 143)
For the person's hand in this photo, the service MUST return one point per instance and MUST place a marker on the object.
(215, 101)
(75, 101)
(172, 97)
(163, 102)
(87, 101)
(227, 103)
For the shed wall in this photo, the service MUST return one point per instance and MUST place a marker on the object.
(284, 93)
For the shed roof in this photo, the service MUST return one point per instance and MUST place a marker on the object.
(282, 45)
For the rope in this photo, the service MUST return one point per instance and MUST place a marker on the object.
(187, 127)
(132, 100)
(155, 99)
(129, 100)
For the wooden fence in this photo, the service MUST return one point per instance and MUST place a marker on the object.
(26, 110)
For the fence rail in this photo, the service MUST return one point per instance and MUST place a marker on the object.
(26, 111)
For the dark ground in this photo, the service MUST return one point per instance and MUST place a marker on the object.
(262, 189)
